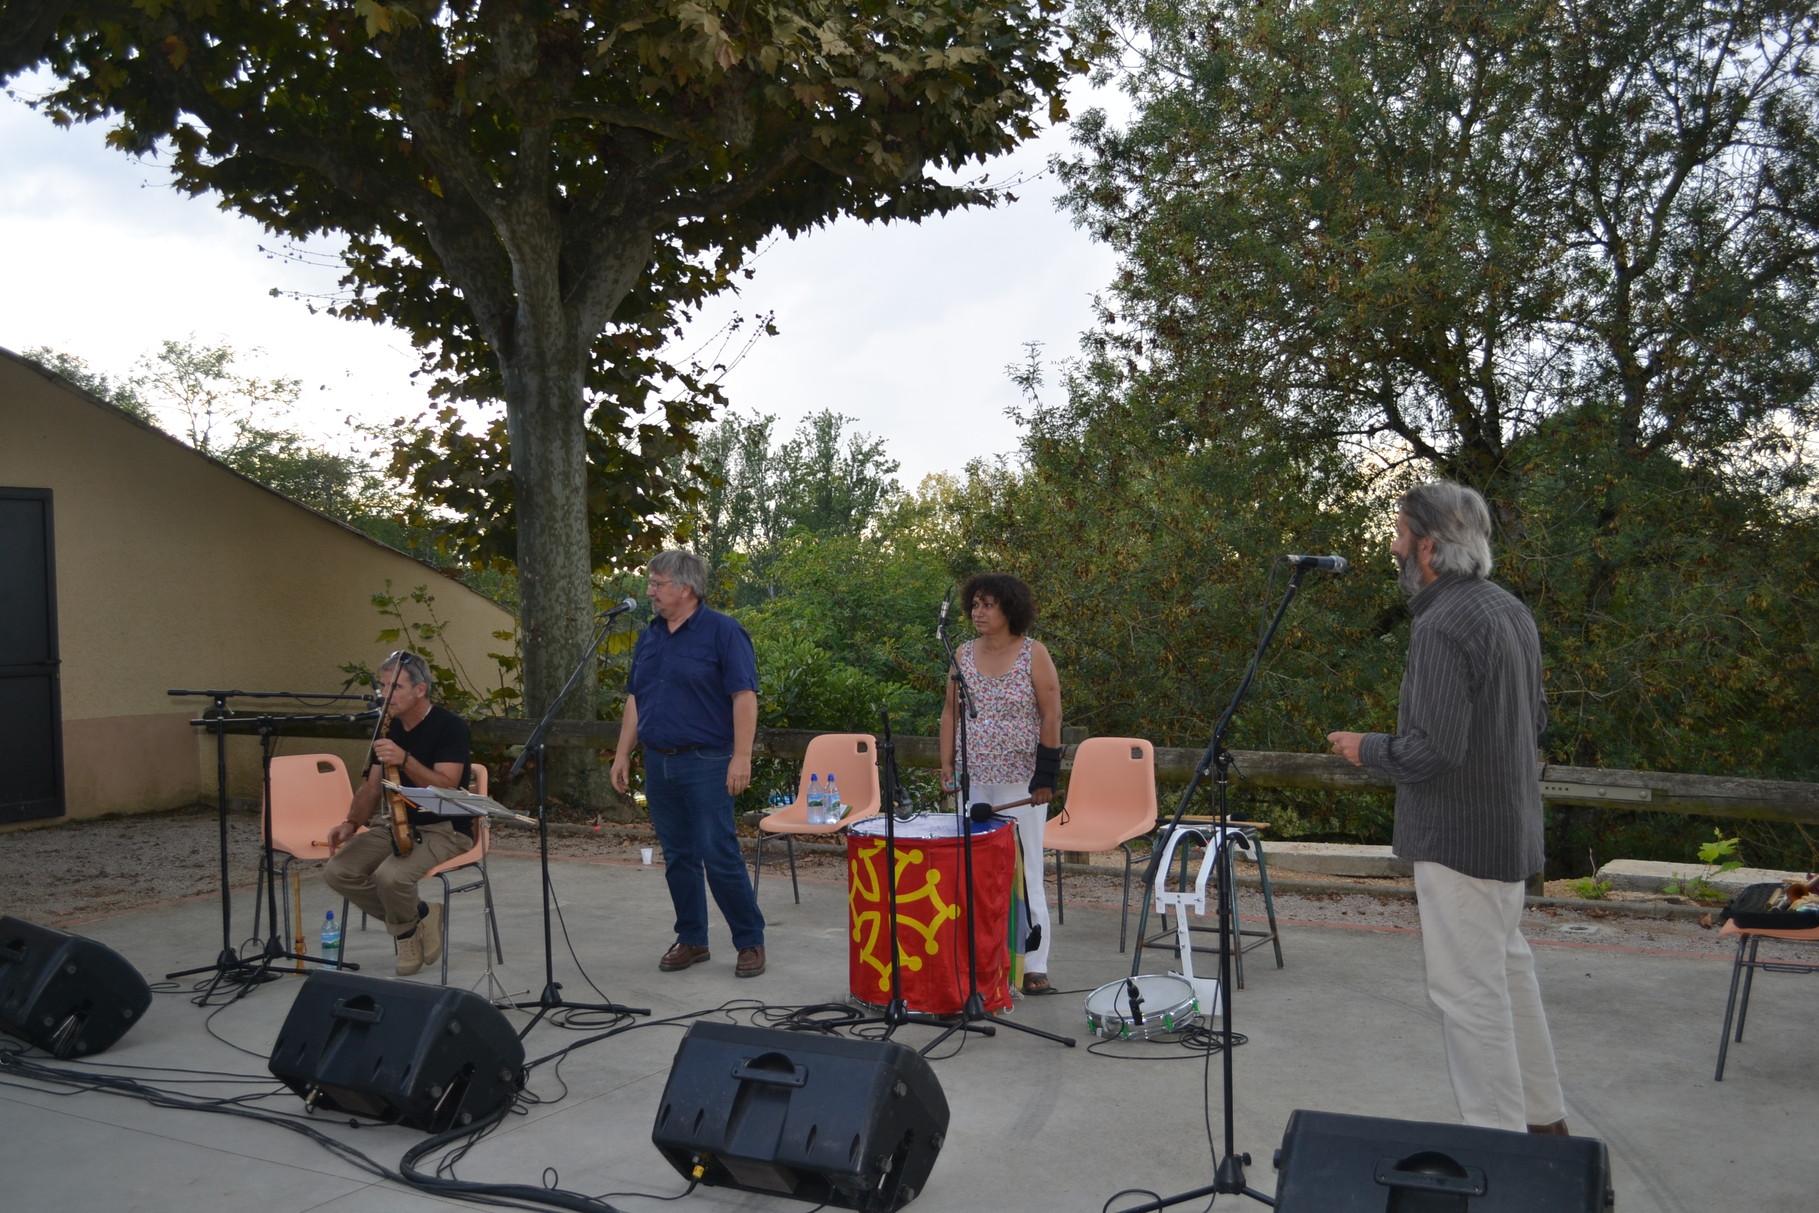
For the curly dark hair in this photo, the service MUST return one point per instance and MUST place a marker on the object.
(1011, 595)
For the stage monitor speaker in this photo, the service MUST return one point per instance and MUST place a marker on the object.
(854, 1123)
(1332, 1163)
(63, 993)
(424, 1056)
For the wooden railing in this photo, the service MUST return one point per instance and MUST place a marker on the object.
(1652, 791)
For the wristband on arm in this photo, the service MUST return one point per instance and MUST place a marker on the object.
(1048, 767)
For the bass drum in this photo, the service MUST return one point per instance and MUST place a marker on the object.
(1141, 1008)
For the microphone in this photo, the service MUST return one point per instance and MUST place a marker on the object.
(1326, 564)
(622, 607)
(941, 628)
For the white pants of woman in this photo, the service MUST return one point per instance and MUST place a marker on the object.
(1481, 975)
(1030, 819)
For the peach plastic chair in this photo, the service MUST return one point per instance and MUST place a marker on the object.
(473, 858)
(1743, 970)
(1111, 799)
(852, 758)
(310, 795)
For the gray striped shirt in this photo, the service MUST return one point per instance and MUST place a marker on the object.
(1468, 729)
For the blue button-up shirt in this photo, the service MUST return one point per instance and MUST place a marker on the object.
(684, 681)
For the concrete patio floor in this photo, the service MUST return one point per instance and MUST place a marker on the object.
(1344, 1027)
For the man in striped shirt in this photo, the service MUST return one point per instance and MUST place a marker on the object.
(1464, 757)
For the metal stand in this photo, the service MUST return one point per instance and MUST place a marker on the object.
(551, 999)
(1228, 1176)
(973, 1016)
(228, 963)
(274, 949)
(896, 1012)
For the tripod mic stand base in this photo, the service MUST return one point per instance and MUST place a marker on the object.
(551, 1000)
(230, 965)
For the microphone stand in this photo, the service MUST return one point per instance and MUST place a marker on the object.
(973, 1016)
(896, 1013)
(1217, 760)
(551, 999)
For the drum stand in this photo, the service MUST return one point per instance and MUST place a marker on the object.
(1228, 1177)
(973, 1016)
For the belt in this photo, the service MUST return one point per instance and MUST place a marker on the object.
(678, 750)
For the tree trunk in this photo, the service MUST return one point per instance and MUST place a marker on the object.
(546, 417)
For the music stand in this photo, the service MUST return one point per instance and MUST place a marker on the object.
(551, 999)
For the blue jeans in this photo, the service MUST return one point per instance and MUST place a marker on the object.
(693, 814)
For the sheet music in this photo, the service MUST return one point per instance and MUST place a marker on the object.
(453, 802)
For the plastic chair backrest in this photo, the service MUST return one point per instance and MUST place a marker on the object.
(1112, 790)
(476, 782)
(852, 758)
(310, 794)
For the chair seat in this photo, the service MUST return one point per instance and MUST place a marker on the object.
(853, 757)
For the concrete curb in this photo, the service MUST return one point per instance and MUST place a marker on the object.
(1312, 888)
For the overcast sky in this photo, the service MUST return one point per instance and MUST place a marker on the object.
(907, 328)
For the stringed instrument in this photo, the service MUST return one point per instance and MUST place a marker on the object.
(402, 839)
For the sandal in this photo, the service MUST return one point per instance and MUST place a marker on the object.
(1037, 983)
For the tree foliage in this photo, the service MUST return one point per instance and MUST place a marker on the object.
(532, 190)
(1562, 252)
(752, 493)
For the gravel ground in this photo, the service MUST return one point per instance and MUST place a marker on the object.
(72, 873)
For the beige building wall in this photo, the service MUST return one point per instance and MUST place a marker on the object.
(174, 572)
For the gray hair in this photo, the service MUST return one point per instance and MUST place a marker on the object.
(1457, 520)
(683, 568)
(412, 667)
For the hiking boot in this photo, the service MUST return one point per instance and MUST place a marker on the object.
(410, 953)
(429, 930)
(751, 962)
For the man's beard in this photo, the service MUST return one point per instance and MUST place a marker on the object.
(1408, 575)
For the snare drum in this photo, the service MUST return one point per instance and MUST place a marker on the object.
(1165, 1004)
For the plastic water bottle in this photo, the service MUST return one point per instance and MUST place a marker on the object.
(817, 803)
(833, 810)
(331, 941)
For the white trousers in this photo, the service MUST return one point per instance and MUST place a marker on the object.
(1030, 819)
(1481, 975)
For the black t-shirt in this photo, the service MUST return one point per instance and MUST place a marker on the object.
(439, 737)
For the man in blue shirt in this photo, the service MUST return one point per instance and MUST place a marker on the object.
(692, 700)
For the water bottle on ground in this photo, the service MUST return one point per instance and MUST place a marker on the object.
(817, 803)
(833, 810)
(331, 941)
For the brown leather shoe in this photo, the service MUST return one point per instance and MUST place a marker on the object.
(751, 962)
(682, 955)
(1557, 1129)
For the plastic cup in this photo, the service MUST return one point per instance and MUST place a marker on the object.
(644, 855)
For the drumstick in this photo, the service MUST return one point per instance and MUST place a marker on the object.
(1015, 804)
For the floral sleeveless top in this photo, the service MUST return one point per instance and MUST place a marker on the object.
(1001, 740)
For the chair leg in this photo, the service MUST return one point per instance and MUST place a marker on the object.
(1060, 901)
(1269, 900)
(758, 864)
(1228, 872)
(444, 879)
(492, 915)
(795, 891)
(1124, 907)
(1730, 1006)
(1749, 979)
